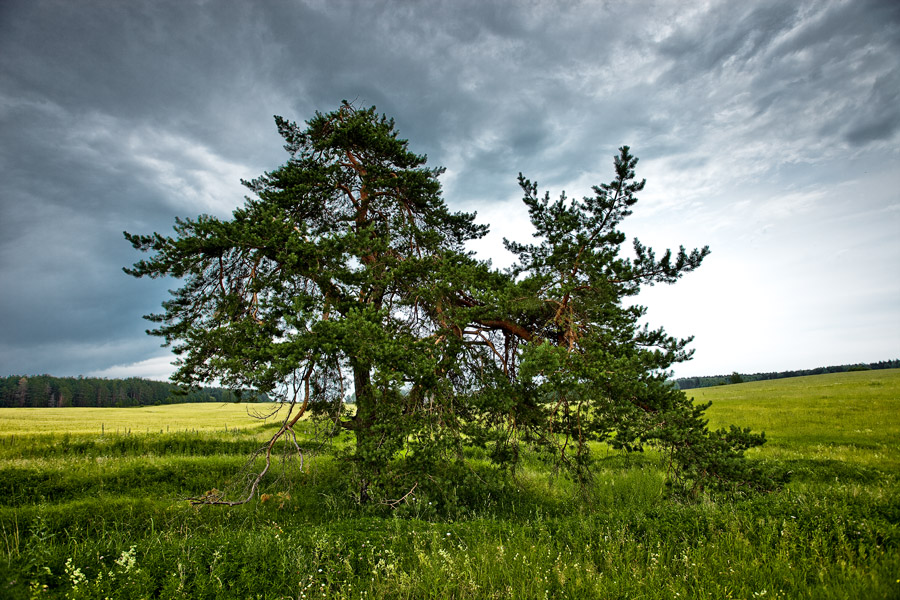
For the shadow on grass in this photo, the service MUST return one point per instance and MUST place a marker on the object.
(823, 470)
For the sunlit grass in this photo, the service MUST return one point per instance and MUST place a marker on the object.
(853, 417)
(859, 407)
(138, 419)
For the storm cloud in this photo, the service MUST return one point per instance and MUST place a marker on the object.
(767, 130)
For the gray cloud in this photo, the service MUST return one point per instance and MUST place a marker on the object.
(730, 34)
(879, 118)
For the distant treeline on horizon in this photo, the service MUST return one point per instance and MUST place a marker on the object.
(45, 391)
(688, 383)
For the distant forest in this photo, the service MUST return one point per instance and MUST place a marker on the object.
(45, 391)
(687, 383)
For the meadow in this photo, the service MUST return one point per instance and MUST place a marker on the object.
(92, 505)
(172, 418)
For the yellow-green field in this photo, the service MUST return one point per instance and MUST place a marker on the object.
(847, 416)
(140, 419)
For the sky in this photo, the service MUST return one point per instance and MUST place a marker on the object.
(768, 130)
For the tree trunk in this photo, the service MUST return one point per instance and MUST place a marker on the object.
(363, 421)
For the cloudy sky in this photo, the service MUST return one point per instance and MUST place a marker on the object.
(769, 130)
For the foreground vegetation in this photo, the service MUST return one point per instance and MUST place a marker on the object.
(91, 515)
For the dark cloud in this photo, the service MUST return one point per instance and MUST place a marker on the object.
(731, 35)
(879, 117)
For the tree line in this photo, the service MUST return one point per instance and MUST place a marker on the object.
(45, 391)
(688, 383)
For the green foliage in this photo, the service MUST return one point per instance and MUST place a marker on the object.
(347, 272)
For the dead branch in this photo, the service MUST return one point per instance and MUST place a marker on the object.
(396, 503)
(215, 497)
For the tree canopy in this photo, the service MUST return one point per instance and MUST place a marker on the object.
(346, 274)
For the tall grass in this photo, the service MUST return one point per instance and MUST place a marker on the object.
(90, 516)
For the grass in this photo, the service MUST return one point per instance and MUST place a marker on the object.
(848, 418)
(143, 419)
(860, 408)
(84, 515)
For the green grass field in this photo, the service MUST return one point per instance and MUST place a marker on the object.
(852, 418)
(91, 513)
(849, 408)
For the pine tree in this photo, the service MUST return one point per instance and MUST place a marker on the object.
(346, 275)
